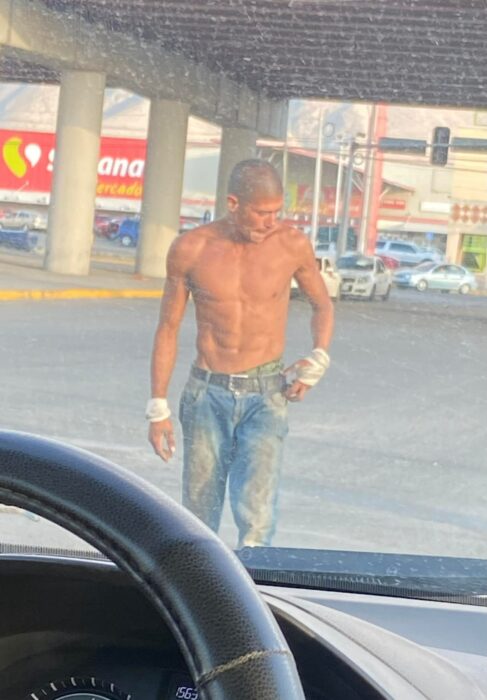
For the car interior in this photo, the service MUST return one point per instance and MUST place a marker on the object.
(166, 610)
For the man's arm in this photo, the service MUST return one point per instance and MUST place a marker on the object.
(312, 285)
(174, 300)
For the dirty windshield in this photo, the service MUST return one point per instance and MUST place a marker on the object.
(355, 262)
(169, 184)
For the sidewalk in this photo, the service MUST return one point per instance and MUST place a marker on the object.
(22, 278)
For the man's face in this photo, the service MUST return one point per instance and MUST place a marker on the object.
(257, 219)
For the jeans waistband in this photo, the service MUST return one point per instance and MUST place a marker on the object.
(240, 383)
(272, 367)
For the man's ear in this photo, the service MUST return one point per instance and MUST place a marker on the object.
(232, 203)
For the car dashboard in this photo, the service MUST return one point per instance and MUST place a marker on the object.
(77, 629)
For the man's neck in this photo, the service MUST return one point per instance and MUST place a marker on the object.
(231, 232)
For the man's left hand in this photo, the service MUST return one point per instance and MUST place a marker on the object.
(297, 390)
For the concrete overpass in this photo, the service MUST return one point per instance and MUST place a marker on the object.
(235, 63)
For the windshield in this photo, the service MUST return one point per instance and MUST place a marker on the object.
(166, 188)
(424, 267)
(354, 262)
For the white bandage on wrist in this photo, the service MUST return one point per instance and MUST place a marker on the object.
(157, 410)
(310, 374)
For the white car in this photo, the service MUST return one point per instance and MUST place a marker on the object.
(330, 275)
(364, 276)
(18, 221)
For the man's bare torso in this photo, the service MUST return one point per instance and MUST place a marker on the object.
(241, 295)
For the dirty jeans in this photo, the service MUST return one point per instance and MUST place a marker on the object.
(236, 437)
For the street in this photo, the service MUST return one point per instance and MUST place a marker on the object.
(388, 453)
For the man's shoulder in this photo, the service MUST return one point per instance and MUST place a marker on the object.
(294, 233)
(192, 241)
(294, 239)
(187, 248)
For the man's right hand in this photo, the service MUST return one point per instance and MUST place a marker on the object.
(161, 437)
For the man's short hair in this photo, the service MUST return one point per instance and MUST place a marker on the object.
(254, 178)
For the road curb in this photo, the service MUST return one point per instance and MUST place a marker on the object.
(82, 293)
(113, 259)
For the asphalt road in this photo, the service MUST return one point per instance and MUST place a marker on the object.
(388, 453)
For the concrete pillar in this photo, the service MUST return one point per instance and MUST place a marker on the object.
(72, 207)
(163, 184)
(237, 144)
(453, 252)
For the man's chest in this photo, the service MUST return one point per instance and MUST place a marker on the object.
(255, 272)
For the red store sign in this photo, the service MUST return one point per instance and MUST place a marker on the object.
(393, 204)
(27, 157)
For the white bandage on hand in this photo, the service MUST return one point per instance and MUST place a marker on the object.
(310, 374)
(157, 410)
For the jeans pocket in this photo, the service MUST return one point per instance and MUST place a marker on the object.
(277, 399)
(277, 407)
(192, 393)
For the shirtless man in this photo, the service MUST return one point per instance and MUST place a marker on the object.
(233, 409)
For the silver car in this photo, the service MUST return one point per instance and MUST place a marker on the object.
(408, 253)
(448, 278)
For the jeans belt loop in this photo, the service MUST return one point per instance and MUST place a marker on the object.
(207, 378)
(201, 374)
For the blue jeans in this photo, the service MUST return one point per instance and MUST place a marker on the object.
(236, 437)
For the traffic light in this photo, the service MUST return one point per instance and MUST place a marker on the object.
(440, 145)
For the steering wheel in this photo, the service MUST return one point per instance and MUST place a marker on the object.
(229, 639)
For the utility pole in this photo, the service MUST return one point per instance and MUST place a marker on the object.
(345, 222)
(285, 168)
(376, 186)
(317, 183)
(368, 176)
(338, 191)
(285, 176)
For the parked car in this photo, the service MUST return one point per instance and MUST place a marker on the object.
(128, 233)
(390, 263)
(40, 222)
(330, 275)
(106, 226)
(408, 253)
(19, 239)
(364, 276)
(18, 221)
(448, 278)
(129, 229)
